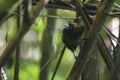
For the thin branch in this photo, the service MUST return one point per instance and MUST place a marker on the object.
(93, 34)
(12, 45)
(90, 7)
(116, 71)
(100, 43)
(58, 63)
(111, 34)
(17, 56)
(10, 13)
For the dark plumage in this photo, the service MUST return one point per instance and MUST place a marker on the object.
(72, 35)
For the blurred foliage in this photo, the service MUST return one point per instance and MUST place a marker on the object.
(12, 29)
(5, 5)
(29, 68)
(39, 27)
(28, 71)
(66, 13)
(117, 1)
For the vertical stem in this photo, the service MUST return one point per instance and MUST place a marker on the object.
(58, 63)
(47, 44)
(17, 56)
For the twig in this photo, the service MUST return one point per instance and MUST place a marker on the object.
(100, 43)
(116, 71)
(90, 7)
(92, 37)
(58, 63)
(10, 13)
(12, 45)
(17, 56)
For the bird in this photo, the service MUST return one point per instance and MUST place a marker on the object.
(72, 34)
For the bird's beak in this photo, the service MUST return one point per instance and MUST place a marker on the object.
(66, 26)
